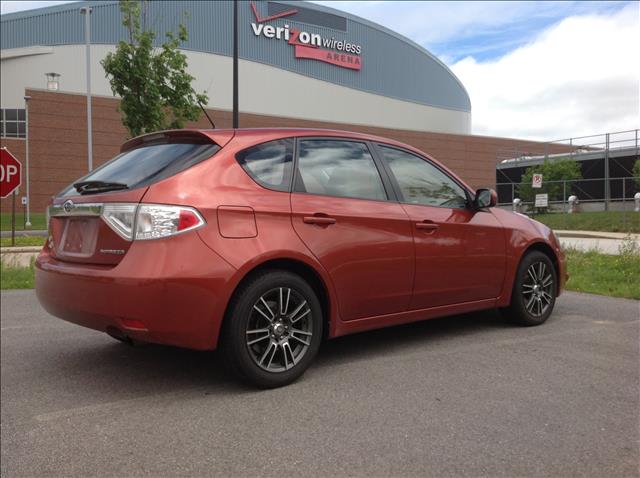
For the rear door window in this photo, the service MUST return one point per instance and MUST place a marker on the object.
(338, 168)
(149, 164)
(269, 164)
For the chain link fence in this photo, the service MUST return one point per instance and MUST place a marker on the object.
(610, 183)
(570, 198)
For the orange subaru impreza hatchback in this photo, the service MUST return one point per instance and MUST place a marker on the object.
(263, 242)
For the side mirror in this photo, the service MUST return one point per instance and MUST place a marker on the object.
(485, 198)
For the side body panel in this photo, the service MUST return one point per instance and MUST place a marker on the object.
(461, 260)
(368, 251)
(521, 233)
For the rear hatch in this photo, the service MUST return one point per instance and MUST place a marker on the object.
(78, 230)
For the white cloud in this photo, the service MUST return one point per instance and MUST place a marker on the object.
(579, 77)
(431, 22)
(457, 28)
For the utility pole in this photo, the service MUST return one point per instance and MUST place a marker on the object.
(27, 222)
(235, 64)
(86, 11)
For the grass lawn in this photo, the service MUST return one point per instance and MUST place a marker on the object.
(16, 277)
(610, 221)
(616, 276)
(37, 220)
(23, 241)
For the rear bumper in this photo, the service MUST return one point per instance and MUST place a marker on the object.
(170, 291)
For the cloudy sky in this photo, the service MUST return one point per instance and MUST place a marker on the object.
(539, 70)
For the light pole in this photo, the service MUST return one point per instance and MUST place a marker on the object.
(27, 222)
(235, 64)
(86, 11)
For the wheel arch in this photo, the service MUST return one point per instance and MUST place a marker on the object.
(547, 250)
(298, 267)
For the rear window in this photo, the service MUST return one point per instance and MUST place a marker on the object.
(269, 164)
(151, 163)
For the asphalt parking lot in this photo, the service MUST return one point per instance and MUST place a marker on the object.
(463, 396)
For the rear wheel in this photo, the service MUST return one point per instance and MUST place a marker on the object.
(534, 290)
(273, 329)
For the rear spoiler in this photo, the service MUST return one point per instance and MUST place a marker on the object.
(219, 137)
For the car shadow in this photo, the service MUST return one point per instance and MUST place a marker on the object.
(388, 340)
(129, 371)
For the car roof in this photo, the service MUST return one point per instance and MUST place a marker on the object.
(260, 132)
(223, 136)
(264, 134)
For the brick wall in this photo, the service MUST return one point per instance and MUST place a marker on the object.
(58, 142)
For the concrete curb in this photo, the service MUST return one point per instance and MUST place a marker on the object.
(18, 256)
(597, 235)
(4, 250)
(29, 233)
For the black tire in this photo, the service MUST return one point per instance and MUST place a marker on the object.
(531, 305)
(278, 367)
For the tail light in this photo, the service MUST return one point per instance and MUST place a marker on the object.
(150, 221)
(121, 218)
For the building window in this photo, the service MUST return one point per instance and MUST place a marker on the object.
(12, 123)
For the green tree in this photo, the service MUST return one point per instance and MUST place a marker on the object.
(556, 170)
(636, 172)
(153, 82)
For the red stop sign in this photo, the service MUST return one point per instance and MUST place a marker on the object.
(10, 172)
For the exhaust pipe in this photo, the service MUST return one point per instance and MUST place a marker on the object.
(119, 335)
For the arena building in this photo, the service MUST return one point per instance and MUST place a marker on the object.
(301, 64)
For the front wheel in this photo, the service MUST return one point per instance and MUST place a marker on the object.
(534, 290)
(273, 329)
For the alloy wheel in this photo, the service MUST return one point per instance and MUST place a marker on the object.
(279, 329)
(537, 289)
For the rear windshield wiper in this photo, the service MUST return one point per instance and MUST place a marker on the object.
(89, 187)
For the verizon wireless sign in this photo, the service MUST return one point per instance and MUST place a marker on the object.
(312, 46)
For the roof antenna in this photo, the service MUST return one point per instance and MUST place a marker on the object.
(200, 105)
(206, 114)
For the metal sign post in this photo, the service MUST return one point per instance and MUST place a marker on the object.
(13, 219)
(24, 202)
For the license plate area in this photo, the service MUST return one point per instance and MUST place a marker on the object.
(79, 237)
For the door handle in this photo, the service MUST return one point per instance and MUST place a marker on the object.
(427, 226)
(319, 220)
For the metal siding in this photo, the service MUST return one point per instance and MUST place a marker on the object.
(391, 66)
(310, 15)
